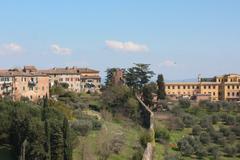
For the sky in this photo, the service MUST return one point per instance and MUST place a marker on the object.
(179, 38)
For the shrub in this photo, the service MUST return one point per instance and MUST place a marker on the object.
(96, 125)
(178, 124)
(201, 152)
(82, 126)
(145, 138)
(188, 120)
(185, 148)
(204, 138)
(116, 143)
(184, 103)
(214, 151)
(196, 130)
(215, 118)
(161, 135)
(230, 150)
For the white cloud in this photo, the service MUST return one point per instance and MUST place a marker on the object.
(126, 46)
(10, 48)
(55, 48)
(168, 63)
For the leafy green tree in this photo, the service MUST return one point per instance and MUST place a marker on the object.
(161, 87)
(196, 130)
(185, 148)
(147, 96)
(204, 138)
(138, 75)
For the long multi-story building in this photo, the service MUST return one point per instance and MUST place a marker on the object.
(27, 82)
(78, 79)
(226, 87)
(35, 84)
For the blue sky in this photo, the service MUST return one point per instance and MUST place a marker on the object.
(179, 38)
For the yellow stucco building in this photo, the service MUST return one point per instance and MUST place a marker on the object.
(226, 87)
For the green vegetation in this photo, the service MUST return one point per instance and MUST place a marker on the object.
(209, 130)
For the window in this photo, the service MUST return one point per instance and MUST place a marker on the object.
(188, 87)
(184, 87)
(23, 88)
(228, 87)
(178, 87)
(30, 96)
(233, 94)
(214, 87)
(204, 87)
(214, 93)
(43, 88)
(209, 87)
(173, 87)
(169, 87)
(228, 94)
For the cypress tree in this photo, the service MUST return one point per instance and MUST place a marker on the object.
(66, 141)
(161, 87)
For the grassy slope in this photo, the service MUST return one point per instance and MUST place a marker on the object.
(131, 134)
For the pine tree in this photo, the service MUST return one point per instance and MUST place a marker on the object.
(161, 87)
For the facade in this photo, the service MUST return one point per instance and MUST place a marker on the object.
(226, 87)
(78, 79)
(26, 82)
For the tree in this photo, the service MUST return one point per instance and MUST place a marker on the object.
(147, 96)
(204, 138)
(138, 75)
(230, 150)
(196, 130)
(185, 148)
(57, 148)
(161, 87)
(110, 72)
(66, 141)
(184, 103)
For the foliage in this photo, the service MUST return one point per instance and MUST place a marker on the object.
(138, 75)
(161, 87)
(161, 134)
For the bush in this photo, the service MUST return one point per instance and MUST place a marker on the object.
(215, 118)
(184, 103)
(145, 138)
(188, 120)
(196, 130)
(82, 126)
(96, 124)
(230, 150)
(201, 152)
(214, 151)
(204, 138)
(185, 148)
(161, 135)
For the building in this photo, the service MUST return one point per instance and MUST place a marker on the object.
(78, 79)
(226, 87)
(27, 82)
(118, 77)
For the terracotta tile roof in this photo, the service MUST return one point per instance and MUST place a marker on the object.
(30, 72)
(69, 70)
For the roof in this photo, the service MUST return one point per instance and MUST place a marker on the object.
(28, 71)
(69, 70)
